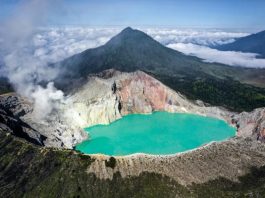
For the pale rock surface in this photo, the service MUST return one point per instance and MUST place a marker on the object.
(102, 100)
(251, 124)
(17, 117)
(106, 97)
(110, 95)
(229, 159)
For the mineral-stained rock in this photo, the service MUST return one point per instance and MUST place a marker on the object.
(96, 102)
(136, 92)
(16, 117)
(106, 97)
(251, 124)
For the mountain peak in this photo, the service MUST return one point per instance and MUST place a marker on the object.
(127, 29)
(130, 36)
(253, 43)
(129, 32)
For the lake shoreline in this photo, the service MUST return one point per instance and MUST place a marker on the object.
(190, 126)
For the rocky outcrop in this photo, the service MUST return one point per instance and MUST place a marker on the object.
(17, 117)
(10, 113)
(106, 97)
(229, 159)
(31, 171)
(251, 124)
(112, 94)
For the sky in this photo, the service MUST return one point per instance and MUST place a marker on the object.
(238, 14)
(36, 33)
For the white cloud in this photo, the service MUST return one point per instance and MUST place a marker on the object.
(20, 58)
(55, 44)
(45, 100)
(206, 37)
(226, 57)
(48, 45)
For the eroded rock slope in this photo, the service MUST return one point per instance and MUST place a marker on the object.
(104, 98)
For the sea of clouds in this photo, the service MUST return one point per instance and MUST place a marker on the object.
(27, 50)
(54, 44)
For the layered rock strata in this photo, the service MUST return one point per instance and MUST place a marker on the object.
(112, 94)
(251, 124)
(32, 171)
(17, 117)
(229, 159)
(106, 97)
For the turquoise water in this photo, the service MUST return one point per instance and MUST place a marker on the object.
(157, 133)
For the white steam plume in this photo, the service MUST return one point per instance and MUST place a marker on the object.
(24, 70)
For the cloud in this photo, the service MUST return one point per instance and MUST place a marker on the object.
(19, 64)
(225, 57)
(46, 99)
(55, 44)
(41, 46)
(206, 37)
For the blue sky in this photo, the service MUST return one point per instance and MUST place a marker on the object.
(176, 13)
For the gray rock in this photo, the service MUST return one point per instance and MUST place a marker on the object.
(106, 97)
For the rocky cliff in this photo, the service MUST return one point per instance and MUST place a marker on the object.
(17, 117)
(231, 168)
(251, 124)
(229, 159)
(112, 94)
(106, 97)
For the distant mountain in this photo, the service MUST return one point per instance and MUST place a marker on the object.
(254, 43)
(133, 50)
(128, 51)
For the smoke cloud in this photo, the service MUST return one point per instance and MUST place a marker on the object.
(26, 49)
(24, 70)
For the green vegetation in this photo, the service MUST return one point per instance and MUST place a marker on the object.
(27, 170)
(5, 86)
(250, 185)
(133, 50)
(111, 162)
(220, 92)
(237, 88)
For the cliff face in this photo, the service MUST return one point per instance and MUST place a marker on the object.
(17, 117)
(112, 94)
(251, 124)
(229, 169)
(105, 98)
(229, 159)
(11, 111)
